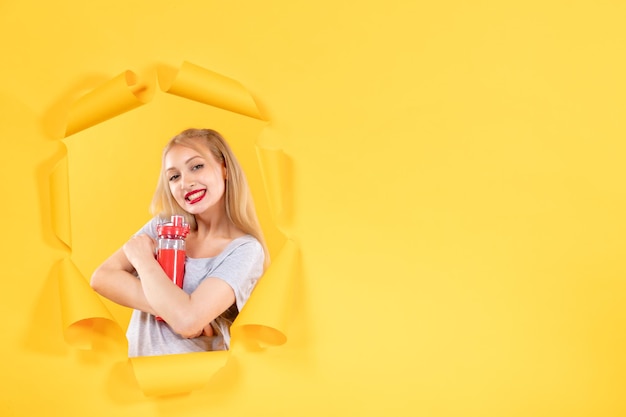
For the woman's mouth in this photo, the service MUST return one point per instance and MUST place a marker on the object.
(194, 196)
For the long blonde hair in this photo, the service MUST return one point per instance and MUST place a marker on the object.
(238, 199)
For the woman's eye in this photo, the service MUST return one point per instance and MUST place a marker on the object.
(195, 167)
(174, 177)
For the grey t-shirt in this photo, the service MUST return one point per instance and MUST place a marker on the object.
(240, 265)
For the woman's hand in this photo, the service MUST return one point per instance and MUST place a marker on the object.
(139, 248)
(207, 331)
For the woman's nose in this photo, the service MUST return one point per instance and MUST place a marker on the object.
(187, 182)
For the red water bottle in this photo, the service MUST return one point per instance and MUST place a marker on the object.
(171, 249)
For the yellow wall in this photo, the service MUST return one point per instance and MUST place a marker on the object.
(457, 194)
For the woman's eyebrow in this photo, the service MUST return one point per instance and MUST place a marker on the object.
(186, 162)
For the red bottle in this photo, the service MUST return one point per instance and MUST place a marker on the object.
(171, 249)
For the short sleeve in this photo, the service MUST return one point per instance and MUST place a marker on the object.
(149, 228)
(241, 266)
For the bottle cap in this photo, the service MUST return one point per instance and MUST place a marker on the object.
(177, 228)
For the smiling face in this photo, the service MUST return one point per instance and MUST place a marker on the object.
(196, 179)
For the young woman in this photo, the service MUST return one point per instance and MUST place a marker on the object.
(226, 253)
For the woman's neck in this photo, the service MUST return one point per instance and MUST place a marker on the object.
(215, 223)
(213, 234)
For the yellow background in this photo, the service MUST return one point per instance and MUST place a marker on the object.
(457, 200)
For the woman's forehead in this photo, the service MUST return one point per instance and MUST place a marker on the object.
(181, 154)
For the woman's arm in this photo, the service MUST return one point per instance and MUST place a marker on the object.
(115, 280)
(187, 314)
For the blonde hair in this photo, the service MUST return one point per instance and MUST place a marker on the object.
(237, 197)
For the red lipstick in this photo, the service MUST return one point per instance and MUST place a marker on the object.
(193, 197)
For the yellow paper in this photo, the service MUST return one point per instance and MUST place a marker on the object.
(457, 199)
(263, 320)
(277, 177)
(176, 374)
(119, 95)
(200, 84)
(81, 306)
(59, 202)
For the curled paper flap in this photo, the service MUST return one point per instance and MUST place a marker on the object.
(276, 174)
(80, 306)
(208, 87)
(60, 202)
(264, 318)
(176, 374)
(117, 96)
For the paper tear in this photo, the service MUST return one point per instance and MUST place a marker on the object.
(263, 322)
(208, 87)
(117, 96)
(277, 175)
(80, 306)
(60, 202)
